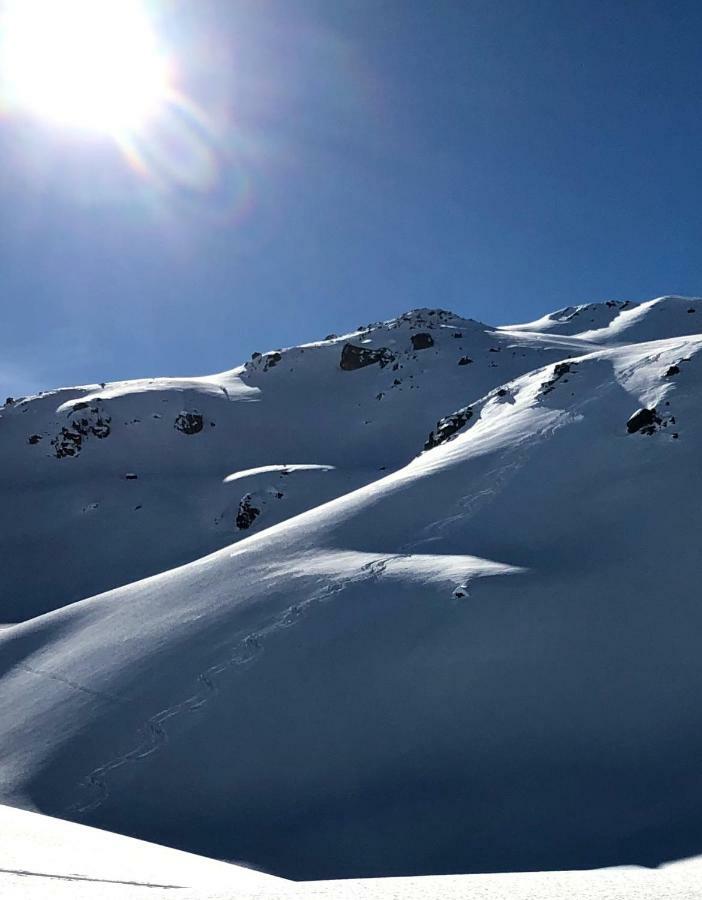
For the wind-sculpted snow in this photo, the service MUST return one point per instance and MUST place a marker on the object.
(482, 656)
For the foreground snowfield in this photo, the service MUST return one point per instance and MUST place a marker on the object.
(483, 658)
(43, 857)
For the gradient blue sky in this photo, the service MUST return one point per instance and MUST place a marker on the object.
(498, 158)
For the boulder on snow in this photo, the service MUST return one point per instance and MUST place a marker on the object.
(33, 438)
(422, 341)
(448, 426)
(247, 513)
(271, 360)
(188, 422)
(559, 371)
(465, 361)
(353, 357)
(643, 421)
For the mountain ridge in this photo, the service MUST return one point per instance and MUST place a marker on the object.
(483, 658)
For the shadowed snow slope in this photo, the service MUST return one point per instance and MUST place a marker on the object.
(487, 659)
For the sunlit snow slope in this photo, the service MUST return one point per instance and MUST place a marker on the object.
(486, 658)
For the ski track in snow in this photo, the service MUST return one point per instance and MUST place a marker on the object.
(251, 647)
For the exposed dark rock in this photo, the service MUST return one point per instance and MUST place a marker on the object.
(644, 421)
(331, 337)
(101, 427)
(422, 340)
(448, 426)
(188, 422)
(9, 401)
(458, 334)
(69, 441)
(272, 359)
(465, 361)
(255, 355)
(82, 404)
(559, 371)
(247, 513)
(131, 476)
(33, 438)
(502, 392)
(672, 370)
(353, 357)
(691, 309)
(494, 350)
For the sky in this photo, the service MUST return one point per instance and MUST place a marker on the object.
(337, 163)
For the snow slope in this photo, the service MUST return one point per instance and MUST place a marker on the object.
(43, 857)
(485, 660)
(104, 485)
(48, 858)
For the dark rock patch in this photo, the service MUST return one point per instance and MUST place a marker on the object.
(672, 370)
(271, 360)
(188, 422)
(247, 513)
(644, 421)
(353, 357)
(465, 361)
(422, 341)
(560, 370)
(70, 439)
(448, 426)
(33, 438)
(131, 476)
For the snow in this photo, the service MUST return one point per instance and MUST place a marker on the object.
(479, 658)
(44, 857)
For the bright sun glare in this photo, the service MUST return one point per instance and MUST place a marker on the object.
(90, 64)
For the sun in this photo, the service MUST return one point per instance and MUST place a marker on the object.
(86, 64)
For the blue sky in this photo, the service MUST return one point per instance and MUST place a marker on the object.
(359, 158)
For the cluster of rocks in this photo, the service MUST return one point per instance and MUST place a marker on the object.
(247, 513)
(265, 361)
(69, 441)
(560, 370)
(188, 422)
(448, 426)
(353, 357)
(649, 421)
(644, 421)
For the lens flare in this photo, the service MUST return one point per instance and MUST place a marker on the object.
(87, 64)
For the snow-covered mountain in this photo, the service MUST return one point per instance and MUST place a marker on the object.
(482, 655)
(116, 482)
